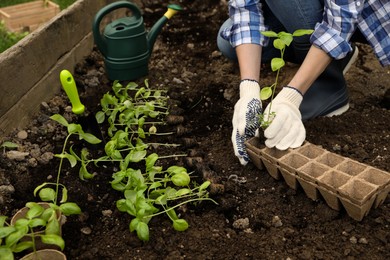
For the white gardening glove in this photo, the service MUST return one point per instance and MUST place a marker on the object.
(246, 118)
(286, 130)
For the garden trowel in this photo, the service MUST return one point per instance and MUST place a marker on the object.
(87, 122)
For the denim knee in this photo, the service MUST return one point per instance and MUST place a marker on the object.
(223, 45)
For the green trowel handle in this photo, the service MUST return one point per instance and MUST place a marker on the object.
(70, 88)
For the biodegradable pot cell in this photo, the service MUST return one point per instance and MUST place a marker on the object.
(272, 169)
(310, 189)
(312, 171)
(310, 151)
(290, 178)
(330, 159)
(273, 154)
(351, 167)
(45, 254)
(330, 198)
(255, 159)
(292, 161)
(355, 211)
(380, 178)
(38, 243)
(332, 180)
(358, 191)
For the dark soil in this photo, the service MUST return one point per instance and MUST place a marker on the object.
(205, 86)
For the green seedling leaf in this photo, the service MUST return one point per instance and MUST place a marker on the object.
(132, 86)
(204, 186)
(265, 93)
(181, 179)
(47, 194)
(2, 221)
(70, 208)
(72, 160)
(100, 117)
(176, 169)
(155, 185)
(5, 231)
(121, 205)
(182, 192)
(90, 138)
(21, 247)
(162, 200)
(6, 253)
(39, 187)
(137, 156)
(15, 237)
(150, 161)
(9, 145)
(301, 32)
(133, 224)
(287, 38)
(59, 119)
(279, 44)
(35, 210)
(277, 64)
(180, 224)
(74, 128)
(84, 173)
(53, 227)
(53, 239)
(142, 231)
(269, 34)
(37, 222)
(64, 196)
(49, 214)
(172, 214)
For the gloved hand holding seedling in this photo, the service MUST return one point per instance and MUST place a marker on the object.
(282, 115)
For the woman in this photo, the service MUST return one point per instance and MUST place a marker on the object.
(318, 87)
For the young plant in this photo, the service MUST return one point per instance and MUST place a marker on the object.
(133, 113)
(283, 40)
(38, 218)
(51, 191)
(37, 223)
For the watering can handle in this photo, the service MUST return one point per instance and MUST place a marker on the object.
(99, 40)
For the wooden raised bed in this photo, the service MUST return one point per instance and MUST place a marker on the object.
(27, 17)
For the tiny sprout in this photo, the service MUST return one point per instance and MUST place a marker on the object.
(9, 145)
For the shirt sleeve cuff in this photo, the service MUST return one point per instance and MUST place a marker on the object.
(241, 34)
(330, 41)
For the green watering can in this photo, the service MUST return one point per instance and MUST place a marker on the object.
(125, 44)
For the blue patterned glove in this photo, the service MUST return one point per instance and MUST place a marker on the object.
(246, 118)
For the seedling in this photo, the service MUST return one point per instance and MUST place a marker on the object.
(134, 113)
(8, 145)
(283, 39)
(37, 218)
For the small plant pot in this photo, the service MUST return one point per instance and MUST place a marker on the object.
(38, 243)
(45, 254)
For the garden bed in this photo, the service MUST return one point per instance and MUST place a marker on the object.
(257, 217)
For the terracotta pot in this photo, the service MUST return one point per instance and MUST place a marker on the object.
(38, 243)
(45, 254)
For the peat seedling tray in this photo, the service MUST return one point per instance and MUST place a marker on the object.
(340, 181)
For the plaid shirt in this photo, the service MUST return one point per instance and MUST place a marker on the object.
(341, 19)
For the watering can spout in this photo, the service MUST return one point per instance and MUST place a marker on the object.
(156, 28)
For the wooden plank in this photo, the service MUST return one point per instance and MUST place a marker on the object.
(28, 15)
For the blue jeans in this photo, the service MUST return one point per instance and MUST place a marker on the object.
(281, 15)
